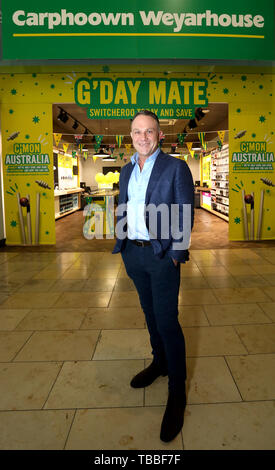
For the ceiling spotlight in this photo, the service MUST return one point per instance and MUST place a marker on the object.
(199, 114)
(108, 158)
(63, 116)
(101, 153)
(75, 125)
(173, 152)
(192, 124)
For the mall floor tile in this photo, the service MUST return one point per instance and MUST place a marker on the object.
(72, 336)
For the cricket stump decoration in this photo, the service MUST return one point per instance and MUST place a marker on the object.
(260, 215)
(25, 202)
(37, 219)
(249, 199)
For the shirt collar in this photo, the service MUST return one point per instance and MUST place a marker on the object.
(152, 158)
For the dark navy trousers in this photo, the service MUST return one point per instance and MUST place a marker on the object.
(157, 282)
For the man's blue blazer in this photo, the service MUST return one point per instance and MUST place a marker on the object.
(170, 183)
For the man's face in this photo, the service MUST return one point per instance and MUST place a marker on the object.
(145, 135)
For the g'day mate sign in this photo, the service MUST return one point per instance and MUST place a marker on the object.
(136, 29)
(121, 98)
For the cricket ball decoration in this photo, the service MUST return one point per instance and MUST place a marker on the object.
(24, 202)
(249, 199)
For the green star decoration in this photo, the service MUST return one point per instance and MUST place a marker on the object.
(238, 110)
(27, 136)
(226, 91)
(35, 119)
(237, 220)
(253, 135)
(262, 118)
(47, 232)
(13, 91)
(11, 111)
(243, 78)
(13, 223)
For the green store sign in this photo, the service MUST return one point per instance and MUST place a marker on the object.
(105, 98)
(239, 29)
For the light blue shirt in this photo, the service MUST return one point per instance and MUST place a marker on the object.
(137, 188)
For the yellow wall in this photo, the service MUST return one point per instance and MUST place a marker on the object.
(27, 100)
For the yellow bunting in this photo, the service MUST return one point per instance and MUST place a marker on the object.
(128, 147)
(65, 147)
(119, 139)
(221, 135)
(94, 158)
(57, 138)
(189, 146)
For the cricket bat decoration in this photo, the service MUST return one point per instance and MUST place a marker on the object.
(25, 202)
(21, 202)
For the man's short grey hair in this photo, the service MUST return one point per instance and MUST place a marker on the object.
(146, 112)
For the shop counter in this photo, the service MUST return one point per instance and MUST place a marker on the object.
(206, 201)
(99, 213)
(66, 201)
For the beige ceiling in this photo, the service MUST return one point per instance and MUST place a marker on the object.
(216, 119)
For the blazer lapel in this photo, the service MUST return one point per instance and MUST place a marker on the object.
(128, 171)
(157, 171)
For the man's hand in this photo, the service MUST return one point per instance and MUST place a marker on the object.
(175, 262)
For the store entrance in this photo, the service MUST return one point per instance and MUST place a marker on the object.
(87, 151)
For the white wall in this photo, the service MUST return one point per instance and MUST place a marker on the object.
(88, 169)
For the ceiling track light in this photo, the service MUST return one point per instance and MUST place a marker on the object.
(63, 116)
(199, 114)
(174, 152)
(192, 124)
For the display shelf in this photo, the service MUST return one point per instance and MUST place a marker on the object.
(219, 172)
(67, 201)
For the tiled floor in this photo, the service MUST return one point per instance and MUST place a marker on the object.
(72, 335)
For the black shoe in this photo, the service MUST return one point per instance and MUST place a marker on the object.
(147, 376)
(173, 417)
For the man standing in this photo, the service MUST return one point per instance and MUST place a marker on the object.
(155, 190)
